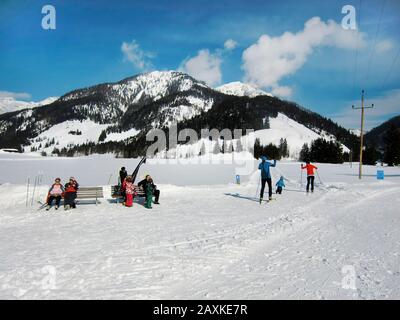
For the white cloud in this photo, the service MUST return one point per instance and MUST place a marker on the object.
(270, 59)
(385, 106)
(14, 95)
(134, 54)
(282, 91)
(384, 45)
(230, 44)
(204, 66)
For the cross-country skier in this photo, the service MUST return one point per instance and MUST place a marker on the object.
(310, 175)
(266, 176)
(71, 189)
(55, 193)
(280, 184)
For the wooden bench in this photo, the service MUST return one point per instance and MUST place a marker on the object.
(89, 193)
(116, 192)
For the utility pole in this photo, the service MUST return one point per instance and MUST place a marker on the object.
(362, 131)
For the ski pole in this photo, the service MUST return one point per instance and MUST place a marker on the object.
(320, 181)
(109, 179)
(27, 192)
(34, 189)
(301, 178)
(258, 186)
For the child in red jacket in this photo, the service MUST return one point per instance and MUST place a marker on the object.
(129, 188)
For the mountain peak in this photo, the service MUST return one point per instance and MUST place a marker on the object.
(241, 89)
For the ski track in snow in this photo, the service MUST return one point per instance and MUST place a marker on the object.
(204, 244)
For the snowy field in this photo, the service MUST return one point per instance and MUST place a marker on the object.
(209, 238)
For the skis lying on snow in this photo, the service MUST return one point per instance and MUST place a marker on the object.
(42, 205)
(266, 200)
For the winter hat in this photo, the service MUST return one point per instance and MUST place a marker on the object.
(264, 158)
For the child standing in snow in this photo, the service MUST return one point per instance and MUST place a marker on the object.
(310, 175)
(129, 188)
(280, 184)
(55, 193)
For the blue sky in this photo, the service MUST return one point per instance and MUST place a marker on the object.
(103, 41)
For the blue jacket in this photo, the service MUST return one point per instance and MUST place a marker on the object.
(280, 183)
(264, 167)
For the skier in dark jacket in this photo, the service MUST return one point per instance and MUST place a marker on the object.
(266, 176)
(148, 185)
(71, 188)
(122, 175)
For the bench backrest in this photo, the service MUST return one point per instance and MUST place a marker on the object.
(89, 192)
(116, 191)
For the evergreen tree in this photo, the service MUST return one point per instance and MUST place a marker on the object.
(371, 155)
(257, 148)
(239, 146)
(304, 153)
(326, 151)
(202, 149)
(283, 148)
(216, 148)
(392, 146)
(103, 136)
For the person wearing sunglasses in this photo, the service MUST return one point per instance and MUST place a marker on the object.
(55, 193)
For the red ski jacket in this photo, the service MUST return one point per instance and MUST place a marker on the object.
(310, 169)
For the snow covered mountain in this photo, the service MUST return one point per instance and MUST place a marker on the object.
(241, 89)
(9, 104)
(115, 117)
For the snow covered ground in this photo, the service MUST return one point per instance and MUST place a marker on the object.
(209, 238)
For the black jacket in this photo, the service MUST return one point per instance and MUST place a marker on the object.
(144, 183)
(122, 175)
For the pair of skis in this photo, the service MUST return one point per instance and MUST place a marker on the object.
(266, 200)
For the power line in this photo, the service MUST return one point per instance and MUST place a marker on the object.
(390, 69)
(375, 41)
(357, 41)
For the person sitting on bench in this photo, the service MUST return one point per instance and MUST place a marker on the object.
(148, 180)
(71, 189)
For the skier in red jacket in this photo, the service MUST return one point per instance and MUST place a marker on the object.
(310, 175)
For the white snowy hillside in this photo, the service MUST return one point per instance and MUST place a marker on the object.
(9, 104)
(281, 127)
(208, 239)
(241, 89)
(74, 132)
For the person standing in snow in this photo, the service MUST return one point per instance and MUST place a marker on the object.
(280, 184)
(310, 175)
(71, 188)
(129, 190)
(264, 166)
(122, 175)
(55, 193)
